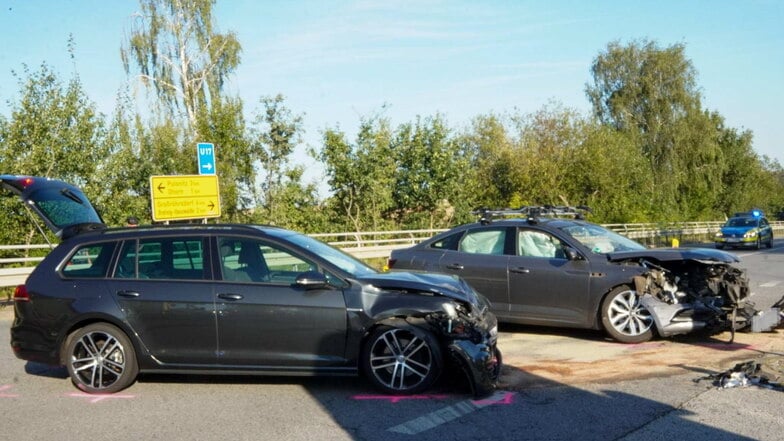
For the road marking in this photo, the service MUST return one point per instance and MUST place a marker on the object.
(770, 284)
(5, 395)
(94, 398)
(450, 413)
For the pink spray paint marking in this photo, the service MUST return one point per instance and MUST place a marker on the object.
(5, 395)
(507, 398)
(398, 398)
(96, 398)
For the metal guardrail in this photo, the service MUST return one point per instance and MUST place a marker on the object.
(379, 244)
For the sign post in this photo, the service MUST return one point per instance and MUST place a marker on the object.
(206, 154)
(181, 197)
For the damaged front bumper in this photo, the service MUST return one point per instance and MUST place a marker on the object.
(481, 364)
(470, 338)
(702, 295)
(682, 318)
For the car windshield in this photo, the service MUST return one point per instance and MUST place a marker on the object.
(338, 258)
(601, 240)
(742, 222)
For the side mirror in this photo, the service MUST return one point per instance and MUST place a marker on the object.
(311, 280)
(572, 254)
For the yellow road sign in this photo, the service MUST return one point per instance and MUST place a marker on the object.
(180, 197)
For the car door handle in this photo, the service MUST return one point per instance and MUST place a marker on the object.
(520, 270)
(229, 296)
(127, 293)
(455, 266)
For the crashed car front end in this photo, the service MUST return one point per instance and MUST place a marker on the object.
(698, 290)
(471, 336)
(449, 309)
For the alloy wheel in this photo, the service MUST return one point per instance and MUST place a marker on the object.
(98, 360)
(627, 316)
(399, 360)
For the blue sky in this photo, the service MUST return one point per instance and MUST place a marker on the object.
(337, 61)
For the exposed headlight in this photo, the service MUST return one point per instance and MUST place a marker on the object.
(719, 234)
(752, 233)
(450, 310)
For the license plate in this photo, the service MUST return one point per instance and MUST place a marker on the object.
(733, 239)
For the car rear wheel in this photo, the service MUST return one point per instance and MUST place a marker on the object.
(624, 318)
(402, 359)
(101, 359)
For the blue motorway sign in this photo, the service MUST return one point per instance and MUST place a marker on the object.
(206, 154)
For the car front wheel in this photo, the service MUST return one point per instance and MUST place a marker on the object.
(101, 359)
(624, 318)
(401, 359)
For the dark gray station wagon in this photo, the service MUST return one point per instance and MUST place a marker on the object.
(234, 299)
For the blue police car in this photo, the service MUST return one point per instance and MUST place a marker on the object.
(750, 229)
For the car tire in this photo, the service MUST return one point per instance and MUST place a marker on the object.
(769, 244)
(759, 243)
(401, 359)
(624, 318)
(100, 359)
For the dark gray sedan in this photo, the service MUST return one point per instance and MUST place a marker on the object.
(572, 273)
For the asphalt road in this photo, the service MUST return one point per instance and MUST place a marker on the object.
(558, 384)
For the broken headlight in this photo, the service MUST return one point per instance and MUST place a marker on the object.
(454, 321)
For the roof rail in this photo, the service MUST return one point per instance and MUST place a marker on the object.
(531, 212)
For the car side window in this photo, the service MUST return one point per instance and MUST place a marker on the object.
(89, 261)
(162, 258)
(251, 260)
(532, 243)
(484, 241)
(450, 242)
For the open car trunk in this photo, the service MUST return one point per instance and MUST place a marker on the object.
(64, 209)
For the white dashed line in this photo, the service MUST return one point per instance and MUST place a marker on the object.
(770, 284)
(450, 413)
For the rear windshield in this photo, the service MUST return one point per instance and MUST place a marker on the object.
(64, 206)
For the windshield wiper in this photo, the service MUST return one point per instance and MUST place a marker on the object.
(71, 195)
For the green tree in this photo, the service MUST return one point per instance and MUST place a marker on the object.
(53, 131)
(547, 139)
(137, 150)
(492, 173)
(608, 173)
(179, 53)
(650, 93)
(360, 175)
(276, 134)
(224, 126)
(429, 175)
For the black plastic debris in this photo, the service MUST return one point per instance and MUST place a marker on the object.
(766, 372)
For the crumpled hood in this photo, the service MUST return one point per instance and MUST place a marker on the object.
(439, 284)
(736, 231)
(674, 254)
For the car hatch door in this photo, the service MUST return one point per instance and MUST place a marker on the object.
(63, 207)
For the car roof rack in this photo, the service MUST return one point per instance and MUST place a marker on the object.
(532, 212)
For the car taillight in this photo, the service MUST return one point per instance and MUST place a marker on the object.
(20, 294)
(391, 262)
